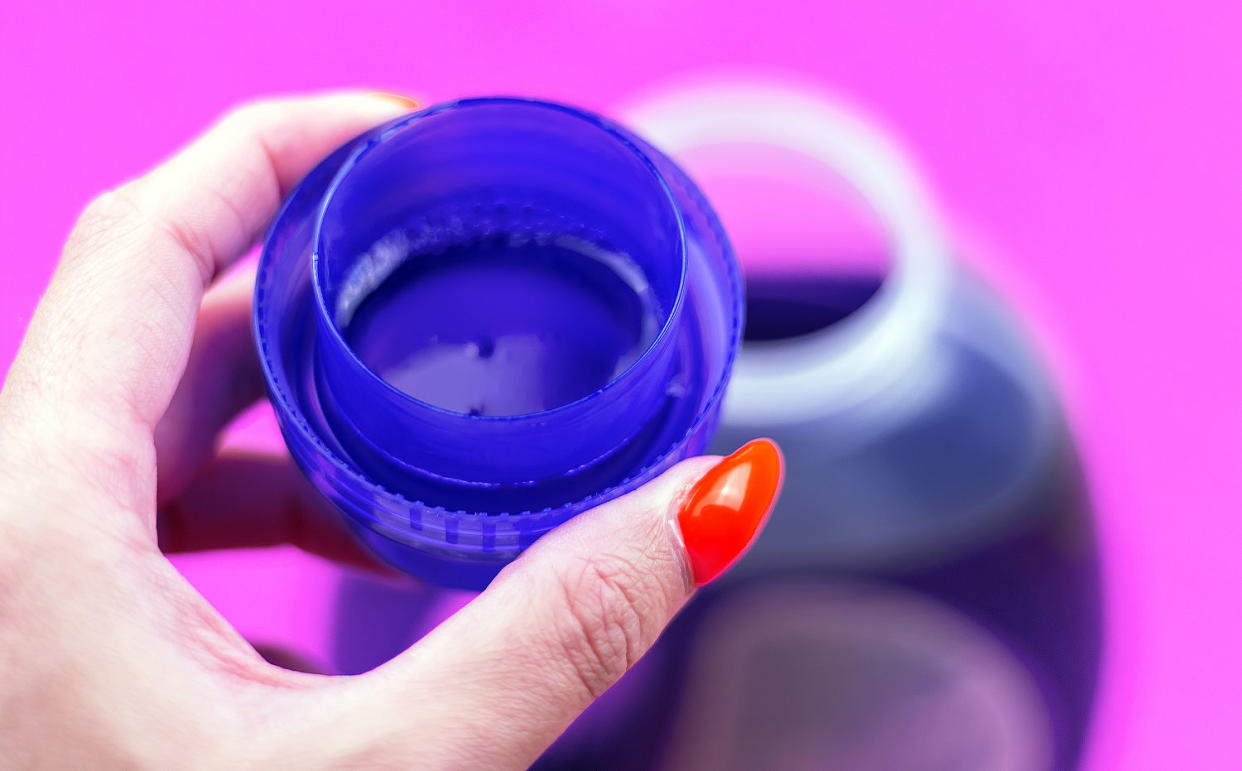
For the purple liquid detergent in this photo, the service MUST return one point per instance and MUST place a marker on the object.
(508, 326)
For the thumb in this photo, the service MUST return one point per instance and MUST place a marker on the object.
(494, 685)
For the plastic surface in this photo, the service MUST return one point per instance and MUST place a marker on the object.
(483, 318)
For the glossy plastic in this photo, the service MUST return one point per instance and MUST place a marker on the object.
(453, 494)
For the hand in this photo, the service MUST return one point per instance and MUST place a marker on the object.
(134, 360)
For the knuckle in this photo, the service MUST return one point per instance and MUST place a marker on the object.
(608, 619)
(108, 214)
(126, 212)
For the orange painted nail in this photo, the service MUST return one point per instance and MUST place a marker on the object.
(727, 507)
(404, 101)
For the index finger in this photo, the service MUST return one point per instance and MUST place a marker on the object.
(112, 332)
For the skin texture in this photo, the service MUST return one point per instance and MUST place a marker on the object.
(135, 359)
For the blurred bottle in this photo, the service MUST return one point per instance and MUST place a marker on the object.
(926, 595)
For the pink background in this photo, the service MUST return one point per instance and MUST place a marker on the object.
(1094, 152)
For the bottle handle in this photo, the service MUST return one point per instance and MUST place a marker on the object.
(818, 374)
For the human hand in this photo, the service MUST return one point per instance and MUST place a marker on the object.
(135, 359)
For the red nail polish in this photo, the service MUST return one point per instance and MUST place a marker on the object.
(727, 507)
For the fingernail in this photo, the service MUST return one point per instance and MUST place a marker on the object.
(404, 101)
(725, 509)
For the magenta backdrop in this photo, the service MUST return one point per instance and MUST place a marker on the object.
(1095, 152)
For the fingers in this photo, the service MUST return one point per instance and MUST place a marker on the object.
(221, 379)
(510, 671)
(249, 501)
(112, 333)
